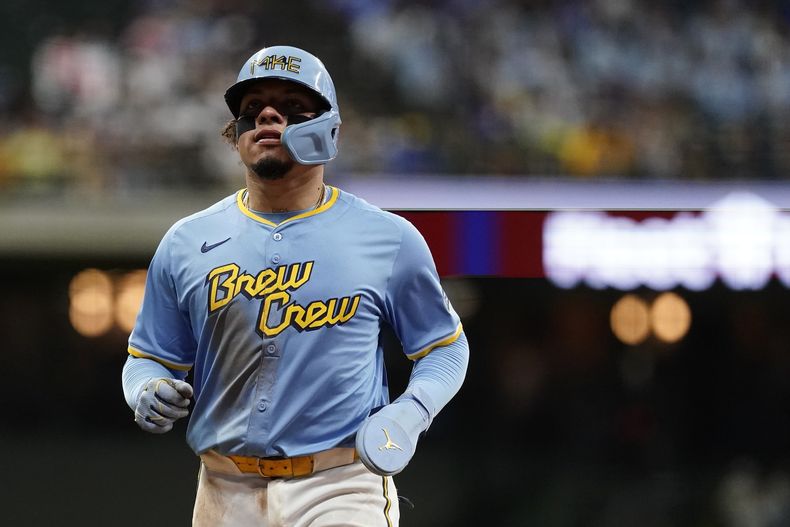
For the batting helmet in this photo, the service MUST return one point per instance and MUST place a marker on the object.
(313, 142)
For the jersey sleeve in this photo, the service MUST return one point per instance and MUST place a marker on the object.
(419, 311)
(162, 331)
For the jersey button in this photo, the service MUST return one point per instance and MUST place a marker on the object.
(276, 258)
(271, 348)
(277, 236)
(262, 406)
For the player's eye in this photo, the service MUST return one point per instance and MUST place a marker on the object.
(295, 106)
(252, 107)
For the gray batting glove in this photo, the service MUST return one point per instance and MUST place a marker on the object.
(161, 403)
(387, 440)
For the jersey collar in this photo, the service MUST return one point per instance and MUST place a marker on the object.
(333, 195)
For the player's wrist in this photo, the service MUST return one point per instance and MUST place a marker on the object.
(137, 374)
(410, 414)
(422, 404)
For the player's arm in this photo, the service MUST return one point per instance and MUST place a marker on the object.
(431, 334)
(158, 395)
(434, 380)
(161, 349)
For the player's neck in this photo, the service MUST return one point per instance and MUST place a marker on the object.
(293, 192)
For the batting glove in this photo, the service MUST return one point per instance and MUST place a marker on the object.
(387, 440)
(161, 403)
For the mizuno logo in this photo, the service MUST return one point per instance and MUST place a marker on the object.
(206, 248)
(389, 445)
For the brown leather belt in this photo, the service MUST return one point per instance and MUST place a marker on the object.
(272, 467)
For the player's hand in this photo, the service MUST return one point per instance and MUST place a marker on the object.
(161, 403)
(387, 440)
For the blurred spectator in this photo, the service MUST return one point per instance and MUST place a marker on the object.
(34, 157)
(76, 76)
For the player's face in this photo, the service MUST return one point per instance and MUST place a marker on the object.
(266, 109)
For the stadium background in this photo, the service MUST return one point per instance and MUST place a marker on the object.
(109, 131)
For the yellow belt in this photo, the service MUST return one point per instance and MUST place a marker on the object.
(285, 467)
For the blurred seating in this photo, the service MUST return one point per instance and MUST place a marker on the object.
(600, 89)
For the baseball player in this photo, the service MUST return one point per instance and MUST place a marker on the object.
(273, 300)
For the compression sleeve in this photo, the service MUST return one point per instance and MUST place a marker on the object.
(136, 374)
(437, 377)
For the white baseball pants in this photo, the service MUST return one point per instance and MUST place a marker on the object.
(347, 496)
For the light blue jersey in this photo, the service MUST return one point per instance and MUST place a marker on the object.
(280, 323)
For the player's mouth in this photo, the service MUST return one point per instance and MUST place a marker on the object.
(267, 137)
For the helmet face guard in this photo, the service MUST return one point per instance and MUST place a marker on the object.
(313, 142)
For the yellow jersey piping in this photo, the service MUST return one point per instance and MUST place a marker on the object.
(333, 195)
(172, 365)
(445, 342)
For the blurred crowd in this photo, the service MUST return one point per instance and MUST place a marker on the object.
(588, 89)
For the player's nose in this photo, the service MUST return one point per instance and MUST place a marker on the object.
(269, 114)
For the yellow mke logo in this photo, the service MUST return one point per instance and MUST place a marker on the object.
(274, 287)
(276, 62)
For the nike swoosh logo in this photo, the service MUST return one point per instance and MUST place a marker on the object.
(206, 248)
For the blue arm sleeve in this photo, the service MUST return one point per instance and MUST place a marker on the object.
(437, 377)
(136, 374)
